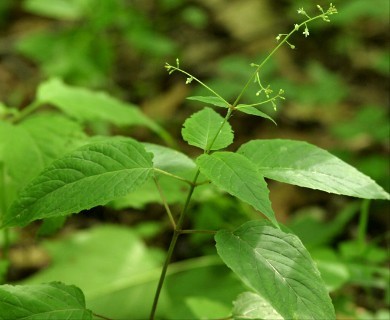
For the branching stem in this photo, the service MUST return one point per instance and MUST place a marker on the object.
(178, 227)
(172, 175)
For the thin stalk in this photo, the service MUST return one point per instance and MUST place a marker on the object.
(178, 230)
(165, 203)
(200, 82)
(197, 231)
(270, 55)
(228, 115)
(172, 175)
(100, 316)
(26, 111)
(363, 222)
(3, 208)
(172, 246)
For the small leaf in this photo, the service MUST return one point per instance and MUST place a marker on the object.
(305, 165)
(215, 101)
(236, 175)
(87, 177)
(88, 106)
(251, 306)
(245, 108)
(277, 266)
(203, 126)
(52, 301)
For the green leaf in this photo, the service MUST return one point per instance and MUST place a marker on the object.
(246, 108)
(170, 160)
(305, 165)
(215, 101)
(236, 175)
(129, 272)
(203, 126)
(249, 305)
(54, 135)
(52, 301)
(88, 106)
(277, 266)
(111, 264)
(89, 176)
(20, 161)
(58, 9)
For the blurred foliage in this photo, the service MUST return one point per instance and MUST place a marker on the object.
(336, 85)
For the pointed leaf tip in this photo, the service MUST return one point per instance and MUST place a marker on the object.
(202, 130)
(87, 177)
(236, 175)
(302, 164)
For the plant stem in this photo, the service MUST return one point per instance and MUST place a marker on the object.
(287, 36)
(201, 83)
(26, 111)
(172, 245)
(166, 206)
(100, 316)
(3, 208)
(172, 175)
(178, 228)
(198, 231)
(363, 221)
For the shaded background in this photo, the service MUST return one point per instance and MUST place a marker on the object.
(336, 83)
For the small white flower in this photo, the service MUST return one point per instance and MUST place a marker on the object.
(301, 11)
(278, 38)
(306, 32)
(296, 26)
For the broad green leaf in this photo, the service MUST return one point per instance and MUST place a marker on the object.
(105, 261)
(175, 191)
(88, 106)
(236, 175)
(54, 135)
(121, 285)
(89, 176)
(20, 161)
(170, 160)
(253, 111)
(277, 266)
(203, 126)
(305, 165)
(52, 301)
(215, 101)
(250, 305)
(203, 308)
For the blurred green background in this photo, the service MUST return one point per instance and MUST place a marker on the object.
(337, 97)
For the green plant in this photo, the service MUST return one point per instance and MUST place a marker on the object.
(50, 169)
(76, 24)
